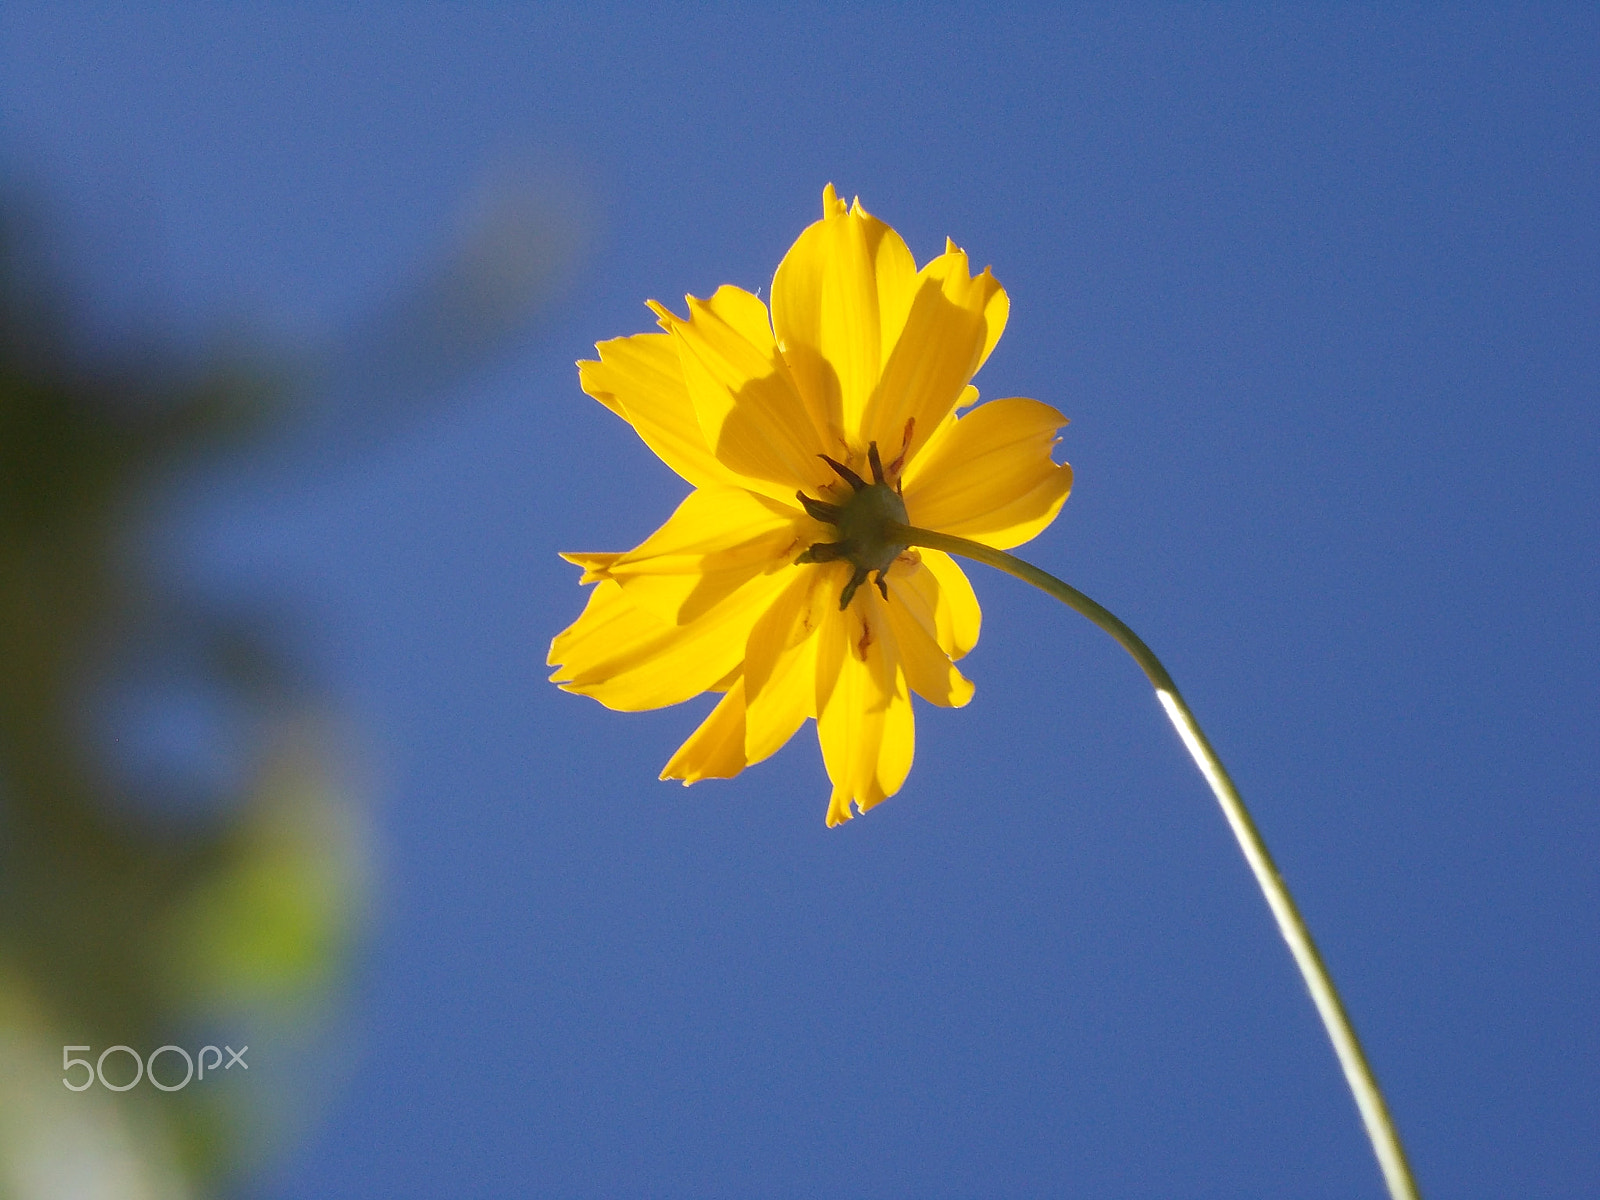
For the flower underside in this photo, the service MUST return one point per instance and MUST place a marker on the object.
(753, 588)
(862, 521)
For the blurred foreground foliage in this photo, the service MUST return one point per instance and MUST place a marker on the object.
(180, 863)
(144, 905)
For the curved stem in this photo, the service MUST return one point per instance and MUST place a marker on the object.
(1358, 1074)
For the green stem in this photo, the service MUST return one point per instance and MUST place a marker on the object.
(1357, 1072)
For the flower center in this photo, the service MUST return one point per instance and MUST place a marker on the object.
(862, 520)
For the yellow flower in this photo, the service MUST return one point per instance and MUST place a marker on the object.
(803, 432)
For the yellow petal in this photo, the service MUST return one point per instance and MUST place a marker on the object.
(953, 321)
(997, 309)
(866, 726)
(716, 749)
(628, 658)
(839, 300)
(748, 317)
(718, 539)
(913, 624)
(957, 617)
(989, 476)
(594, 565)
(832, 206)
(780, 659)
(639, 378)
(749, 412)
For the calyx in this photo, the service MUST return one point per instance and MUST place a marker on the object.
(863, 520)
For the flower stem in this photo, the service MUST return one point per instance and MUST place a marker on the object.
(1358, 1074)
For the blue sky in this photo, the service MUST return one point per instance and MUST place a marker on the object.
(1319, 295)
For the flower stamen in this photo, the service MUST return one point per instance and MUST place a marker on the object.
(899, 462)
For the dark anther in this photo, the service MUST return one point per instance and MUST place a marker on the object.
(823, 552)
(820, 509)
(844, 472)
(905, 444)
(877, 463)
(856, 580)
(883, 584)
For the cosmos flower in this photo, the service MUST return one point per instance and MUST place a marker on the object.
(808, 434)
